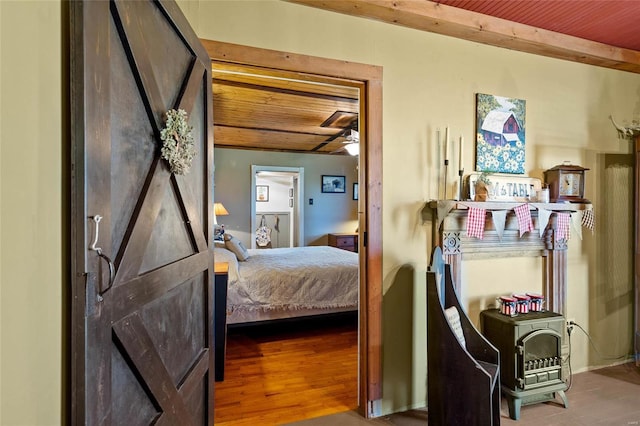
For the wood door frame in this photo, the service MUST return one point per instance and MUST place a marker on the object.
(636, 263)
(368, 77)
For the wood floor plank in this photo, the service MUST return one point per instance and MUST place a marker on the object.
(288, 372)
(606, 397)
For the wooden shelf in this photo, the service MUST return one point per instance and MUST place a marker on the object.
(509, 205)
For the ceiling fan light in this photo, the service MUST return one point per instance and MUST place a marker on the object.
(353, 148)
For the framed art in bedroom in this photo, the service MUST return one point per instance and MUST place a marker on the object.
(262, 193)
(333, 184)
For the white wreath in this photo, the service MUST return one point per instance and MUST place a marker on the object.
(177, 142)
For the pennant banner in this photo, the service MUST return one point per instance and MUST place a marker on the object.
(525, 224)
(543, 219)
(475, 222)
(499, 218)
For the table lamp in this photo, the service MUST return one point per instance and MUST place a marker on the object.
(218, 210)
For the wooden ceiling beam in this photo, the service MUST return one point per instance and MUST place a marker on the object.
(455, 22)
(300, 82)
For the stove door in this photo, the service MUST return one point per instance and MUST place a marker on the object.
(539, 360)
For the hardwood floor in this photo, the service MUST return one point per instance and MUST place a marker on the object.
(290, 371)
(605, 397)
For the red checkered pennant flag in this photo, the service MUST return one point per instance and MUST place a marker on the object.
(475, 222)
(525, 224)
(562, 227)
(588, 220)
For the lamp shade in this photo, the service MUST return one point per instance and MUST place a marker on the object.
(219, 210)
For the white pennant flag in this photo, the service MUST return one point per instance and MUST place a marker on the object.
(444, 207)
(543, 219)
(576, 222)
(499, 218)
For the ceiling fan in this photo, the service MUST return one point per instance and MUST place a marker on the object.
(351, 144)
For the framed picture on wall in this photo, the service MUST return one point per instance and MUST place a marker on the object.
(333, 184)
(355, 191)
(500, 138)
(262, 193)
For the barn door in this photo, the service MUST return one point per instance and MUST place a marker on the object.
(142, 267)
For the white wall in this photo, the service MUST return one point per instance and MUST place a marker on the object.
(278, 194)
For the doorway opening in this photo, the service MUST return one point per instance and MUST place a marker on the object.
(276, 192)
(368, 78)
(273, 193)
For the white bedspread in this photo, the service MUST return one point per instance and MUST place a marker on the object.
(314, 277)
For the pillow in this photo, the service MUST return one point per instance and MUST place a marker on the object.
(453, 317)
(235, 245)
(221, 254)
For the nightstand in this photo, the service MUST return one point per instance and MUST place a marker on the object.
(221, 270)
(348, 241)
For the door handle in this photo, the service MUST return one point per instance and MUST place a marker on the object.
(112, 269)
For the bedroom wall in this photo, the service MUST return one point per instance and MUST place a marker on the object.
(329, 212)
(429, 82)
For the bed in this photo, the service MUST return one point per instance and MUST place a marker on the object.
(289, 282)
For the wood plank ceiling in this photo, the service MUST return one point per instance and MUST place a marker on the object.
(270, 110)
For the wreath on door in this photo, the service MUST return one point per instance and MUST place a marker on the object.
(177, 142)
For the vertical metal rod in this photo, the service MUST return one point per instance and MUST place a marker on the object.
(438, 153)
(446, 170)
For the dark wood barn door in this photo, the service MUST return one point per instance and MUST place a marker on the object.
(142, 272)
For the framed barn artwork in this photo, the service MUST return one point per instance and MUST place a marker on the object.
(500, 134)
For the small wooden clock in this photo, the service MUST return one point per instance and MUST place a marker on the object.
(566, 183)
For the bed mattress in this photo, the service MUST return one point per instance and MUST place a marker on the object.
(290, 282)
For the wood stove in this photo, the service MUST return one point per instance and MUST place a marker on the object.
(530, 356)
